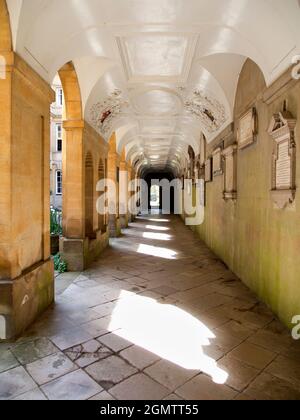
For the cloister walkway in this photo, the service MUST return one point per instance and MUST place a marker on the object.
(157, 317)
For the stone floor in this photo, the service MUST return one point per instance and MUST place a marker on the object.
(157, 317)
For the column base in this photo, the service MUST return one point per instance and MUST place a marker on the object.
(123, 221)
(132, 218)
(23, 299)
(114, 226)
(80, 253)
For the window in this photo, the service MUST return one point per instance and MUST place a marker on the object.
(58, 137)
(59, 96)
(58, 183)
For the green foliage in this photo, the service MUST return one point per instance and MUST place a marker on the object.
(60, 265)
(55, 222)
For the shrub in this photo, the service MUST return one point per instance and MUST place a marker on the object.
(60, 265)
(55, 222)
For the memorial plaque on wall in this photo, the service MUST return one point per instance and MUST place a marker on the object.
(284, 159)
(247, 129)
(283, 166)
(230, 170)
(217, 162)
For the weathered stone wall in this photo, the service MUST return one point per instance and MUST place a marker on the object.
(258, 241)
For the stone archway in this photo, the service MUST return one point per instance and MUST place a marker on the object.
(82, 147)
(73, 155)
(74, 223)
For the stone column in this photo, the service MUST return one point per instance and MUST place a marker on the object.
(73, 245)
(113, 193)
(26, 269)
(123, 192)
(131, 178)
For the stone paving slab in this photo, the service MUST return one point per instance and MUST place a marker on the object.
(88, 353)
(15, 382)
(34, 350)
(7, 361)
(73, 386)
(110, 371)
(35, 395)
(50, 368)
(139, 387)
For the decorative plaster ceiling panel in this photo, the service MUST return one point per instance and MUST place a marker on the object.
(103, 114)
(208, 109)
(157, 56)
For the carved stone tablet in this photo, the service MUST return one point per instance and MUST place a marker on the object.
(230, 172)
(247, 129)
(283, 166)
(217, 162)
(282, 129)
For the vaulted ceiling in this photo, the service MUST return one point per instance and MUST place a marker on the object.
(157, 72)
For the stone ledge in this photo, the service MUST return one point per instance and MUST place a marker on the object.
(22, 300)
(80, 253)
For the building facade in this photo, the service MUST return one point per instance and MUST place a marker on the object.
(56, 112)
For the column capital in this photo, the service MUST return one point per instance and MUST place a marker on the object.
(9, 59)
(73, 124)
(123, 166)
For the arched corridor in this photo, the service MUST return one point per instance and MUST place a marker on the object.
(149, 203)
(159, 316)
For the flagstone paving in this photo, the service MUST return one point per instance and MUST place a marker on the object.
(160, 317)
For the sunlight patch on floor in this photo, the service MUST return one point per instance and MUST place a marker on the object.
(159, 228)
(153, 220)
(155, 251)
(159, 220)
(167, 331)
(157, 236)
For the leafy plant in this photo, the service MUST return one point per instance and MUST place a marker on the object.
(59, 264)
(55, 221)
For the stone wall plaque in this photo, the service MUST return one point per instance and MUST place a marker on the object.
(217, 162)
(282, 130)
(247, 129)
(230, 172)
(283, 166)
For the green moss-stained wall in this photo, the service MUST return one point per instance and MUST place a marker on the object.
(259, 242)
